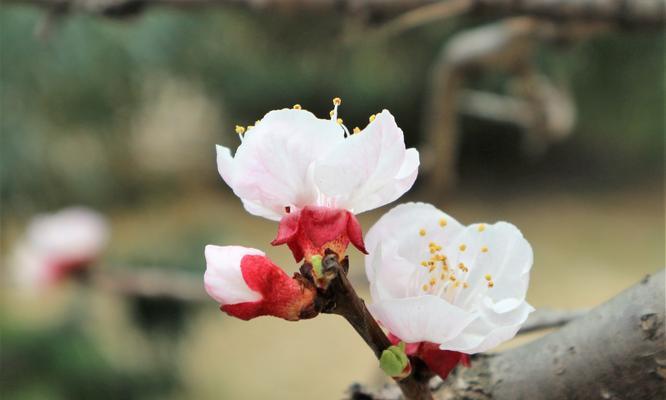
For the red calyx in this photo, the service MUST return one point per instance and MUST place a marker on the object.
(282, 296)
(60, 270)
(441, 362)
(313, 229)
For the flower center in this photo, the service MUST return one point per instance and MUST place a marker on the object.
(442, 278)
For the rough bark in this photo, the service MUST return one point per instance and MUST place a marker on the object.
(616, 351)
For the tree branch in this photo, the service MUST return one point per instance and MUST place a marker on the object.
(616, 351)
(340, 298)
(634, 13)
(546, 318)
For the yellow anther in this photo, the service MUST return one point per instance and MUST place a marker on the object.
(462, 267)
(250, 127)
(491, 284)
(425, 288)
(465, 285)
(432, 244)
(482, 227)
(240, 130)
(488, 277)
(484, 249)
(331, 113)
(424, 263)
(433, 281)
(339, 121)
(457, 284)
(432, 268)
(372, 117)
(357, 130)
(296, 107)
(442, 222)
(463, 247)
(337, 101)
(453, 278)
(442, 276)
(422, 232)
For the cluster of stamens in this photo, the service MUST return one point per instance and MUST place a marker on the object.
(442, 276)
(241, 130)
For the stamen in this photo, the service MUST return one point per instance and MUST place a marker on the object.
(433, 281)
(488, 277)
(424, 263)
(484, 249)
(296, 107)
(357, 130)
(422, 232)
(442, 222)
(240, 130)
(491, 284)
(337, 101)
(463, 247)
(425, 288)
(372, 117)
(482, 227)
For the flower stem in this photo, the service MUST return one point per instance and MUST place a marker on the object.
(340, 298)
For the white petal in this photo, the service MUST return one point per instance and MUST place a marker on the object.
(223, 279)
(391, 272)
(424, 318)
(402, 224)
(272, 167)
(368, 169)
(481, 335)
(507, 259)
(72, 233)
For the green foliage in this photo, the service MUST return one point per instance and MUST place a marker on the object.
(62, 363)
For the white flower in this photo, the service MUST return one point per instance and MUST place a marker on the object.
(57, 244)
(291, 159)
(434, 280)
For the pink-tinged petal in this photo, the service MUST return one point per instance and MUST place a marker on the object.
(421, 319)
(368, 169)
(223, 278)
(272, 168)
(73, 233)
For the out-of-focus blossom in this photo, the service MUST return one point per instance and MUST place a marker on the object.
(58, 245)
(247, 284)
(313, 175)
(445, 288)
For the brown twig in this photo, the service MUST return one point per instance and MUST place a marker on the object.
(339, 297)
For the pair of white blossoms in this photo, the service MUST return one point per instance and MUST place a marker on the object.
(431, 278)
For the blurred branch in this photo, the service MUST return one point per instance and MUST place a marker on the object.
(616, 351)
(635, 13)
(540, 108)
(150, 282)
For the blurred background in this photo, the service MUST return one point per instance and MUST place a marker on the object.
(556, 125)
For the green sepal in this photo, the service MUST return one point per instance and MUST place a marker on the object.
(394, 362)
(316, 264)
